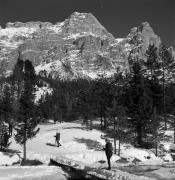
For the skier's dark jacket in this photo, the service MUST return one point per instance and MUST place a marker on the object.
(57, 136)
(108, 149)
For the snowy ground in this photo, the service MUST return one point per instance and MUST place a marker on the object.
(78, 144)
(31, 173)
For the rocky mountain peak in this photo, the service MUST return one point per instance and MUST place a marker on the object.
(84, 22)
(78, 46)
(145, 26)
(37, 24)
(143, 34)
(140, 38)
(172, 51)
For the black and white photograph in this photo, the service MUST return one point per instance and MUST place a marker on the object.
(87, 89)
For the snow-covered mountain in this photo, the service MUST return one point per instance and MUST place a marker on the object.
(78, 47)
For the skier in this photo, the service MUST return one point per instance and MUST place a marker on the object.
(108, 150)
(57, 139)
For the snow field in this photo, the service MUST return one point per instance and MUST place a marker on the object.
(8, 159)
(31, 172)
(78, 144)
(79, 147)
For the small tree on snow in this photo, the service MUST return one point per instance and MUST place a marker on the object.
(26, 129)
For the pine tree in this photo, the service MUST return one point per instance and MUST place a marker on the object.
(152, 63)
(139, 102)
(5, 113)
(57, 104)
(86, 101)
(26, 128)
(171, 103)
(117, 110)
(117, 113)
(4, 137)
(166, 60)
(7, 107)
(3, 129)
(157, 69)
(17, 77)
(17, 85)
(155, 124)
(103, 97)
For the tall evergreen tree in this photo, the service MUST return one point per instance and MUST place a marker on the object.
(171, 103)
(139, 102)
(101, 91)
(3, 128)
(17, 77)
(5, 112)
(7, 107)
(152, 63)
(166, 59)
(26, 128)
(86, 101)
(154, 74)
(116, 109)
(17, 81)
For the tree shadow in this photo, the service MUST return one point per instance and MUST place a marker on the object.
(125, 136)
(54, 145)
(10, 152)
(82, 128)
(73, 127)
(91, 144)
(53, 129)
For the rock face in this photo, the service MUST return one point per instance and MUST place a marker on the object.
(141, 37)
(143, 34)
(84, 22)
(78, 47)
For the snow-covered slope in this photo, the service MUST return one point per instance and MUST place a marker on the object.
(82, 147)
(32, 173)
(78, 144)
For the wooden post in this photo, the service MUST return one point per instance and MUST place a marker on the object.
(114, 136)
(91, 123)
(174, 130)
(164, 117)
(24, 145)
(24, 151)
(155, 122)
(118, 136)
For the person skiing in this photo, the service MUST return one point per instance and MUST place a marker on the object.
(108, 150)
(57, 138)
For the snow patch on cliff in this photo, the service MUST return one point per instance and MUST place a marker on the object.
(57, 28)
(41, 92)
(20, 31)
